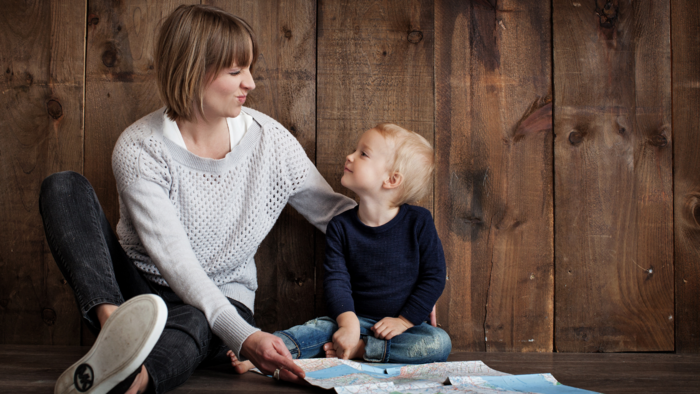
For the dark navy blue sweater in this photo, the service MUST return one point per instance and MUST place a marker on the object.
(394, 269)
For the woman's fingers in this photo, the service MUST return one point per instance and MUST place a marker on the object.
(289, 365)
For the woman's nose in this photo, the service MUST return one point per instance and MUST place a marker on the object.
(248, 83)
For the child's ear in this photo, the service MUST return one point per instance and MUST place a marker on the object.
(393, 181)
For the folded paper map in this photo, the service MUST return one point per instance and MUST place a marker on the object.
(347, 377)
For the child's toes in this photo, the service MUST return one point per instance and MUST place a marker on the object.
(242, 366)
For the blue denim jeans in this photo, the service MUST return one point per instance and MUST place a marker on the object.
(418, 345)
(98, 270)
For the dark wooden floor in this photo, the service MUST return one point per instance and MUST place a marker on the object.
(33, 369)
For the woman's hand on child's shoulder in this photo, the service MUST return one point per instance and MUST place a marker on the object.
(390, 327)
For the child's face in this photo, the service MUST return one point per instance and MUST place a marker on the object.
(367, 167)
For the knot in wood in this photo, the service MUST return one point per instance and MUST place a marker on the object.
(576, 137)
(93, 20)
(607, 14)
(28, 78)
(48, 315)
(54, 108)
(691, 210)
(415, 36)
(109, 56)
(658, 140)
(287, 33)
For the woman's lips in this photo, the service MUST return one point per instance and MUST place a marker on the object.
(241, 99)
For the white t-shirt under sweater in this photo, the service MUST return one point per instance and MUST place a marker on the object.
(236, 129)
(194, 224)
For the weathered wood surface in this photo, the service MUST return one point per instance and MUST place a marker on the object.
(41, 132)
(375, 64)
(285, 78)
(494, 175)
(33, 369)
(686, 135)
(613, 185)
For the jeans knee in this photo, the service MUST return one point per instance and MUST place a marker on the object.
(60, 184)
(435, 346)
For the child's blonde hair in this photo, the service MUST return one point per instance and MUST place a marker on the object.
(195, 43)
(413, 159)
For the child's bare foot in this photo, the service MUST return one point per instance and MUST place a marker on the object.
(239, 366)
(356, 352)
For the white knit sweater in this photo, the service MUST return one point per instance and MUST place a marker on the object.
(194, 224)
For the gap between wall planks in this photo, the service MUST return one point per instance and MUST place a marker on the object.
(41, 132)
(375, 64)
(685, 18)
(613, 186)
(494, 173)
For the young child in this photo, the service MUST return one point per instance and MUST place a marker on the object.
(384, 267)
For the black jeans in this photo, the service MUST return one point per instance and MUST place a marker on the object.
(98, 270)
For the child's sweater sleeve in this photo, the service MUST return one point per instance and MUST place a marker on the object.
(431, 279)
(336, 282)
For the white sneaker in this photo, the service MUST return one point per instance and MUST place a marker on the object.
(122, 346)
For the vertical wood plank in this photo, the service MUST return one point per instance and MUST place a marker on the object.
(42, 61)
(613, 185)
(494, 175)
(285, 78)
(686, 171)
(375, 64)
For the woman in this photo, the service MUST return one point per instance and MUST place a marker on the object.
(201, 182)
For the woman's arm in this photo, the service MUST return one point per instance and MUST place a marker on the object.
(157, 224)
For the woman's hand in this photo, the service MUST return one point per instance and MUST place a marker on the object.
(390, 327)
(268, 353)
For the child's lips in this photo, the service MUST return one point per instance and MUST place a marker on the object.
(347, 169)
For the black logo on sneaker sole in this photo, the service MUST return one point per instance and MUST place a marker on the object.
(83, 378)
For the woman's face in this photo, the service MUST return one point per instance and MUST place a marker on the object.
(225, 95)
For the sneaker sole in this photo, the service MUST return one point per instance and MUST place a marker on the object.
(122, 346)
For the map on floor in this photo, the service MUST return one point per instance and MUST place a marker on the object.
(347, 377)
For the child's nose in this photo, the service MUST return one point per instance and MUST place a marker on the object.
(348, 158)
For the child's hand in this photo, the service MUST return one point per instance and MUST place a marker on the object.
(345, 341)
(390, 327)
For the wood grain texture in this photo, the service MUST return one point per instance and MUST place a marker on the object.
(686, 171)
(613, 185)
(375, 64)
(285, 78)
(42, 62)
(494, 174)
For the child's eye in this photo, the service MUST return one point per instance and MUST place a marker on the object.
(364, 154)
(235, 72)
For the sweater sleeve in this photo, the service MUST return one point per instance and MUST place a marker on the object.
(316, 200)
(336, 281)
(431, 279)
(165, 240)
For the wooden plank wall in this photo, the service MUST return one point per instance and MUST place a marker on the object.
(566, 191)
(494, 173)
(613, 169)
(685, 35)
(41, 132)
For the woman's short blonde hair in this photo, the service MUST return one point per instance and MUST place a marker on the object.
(413, 159)
(195, 42)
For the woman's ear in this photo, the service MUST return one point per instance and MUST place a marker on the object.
(393, 181)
